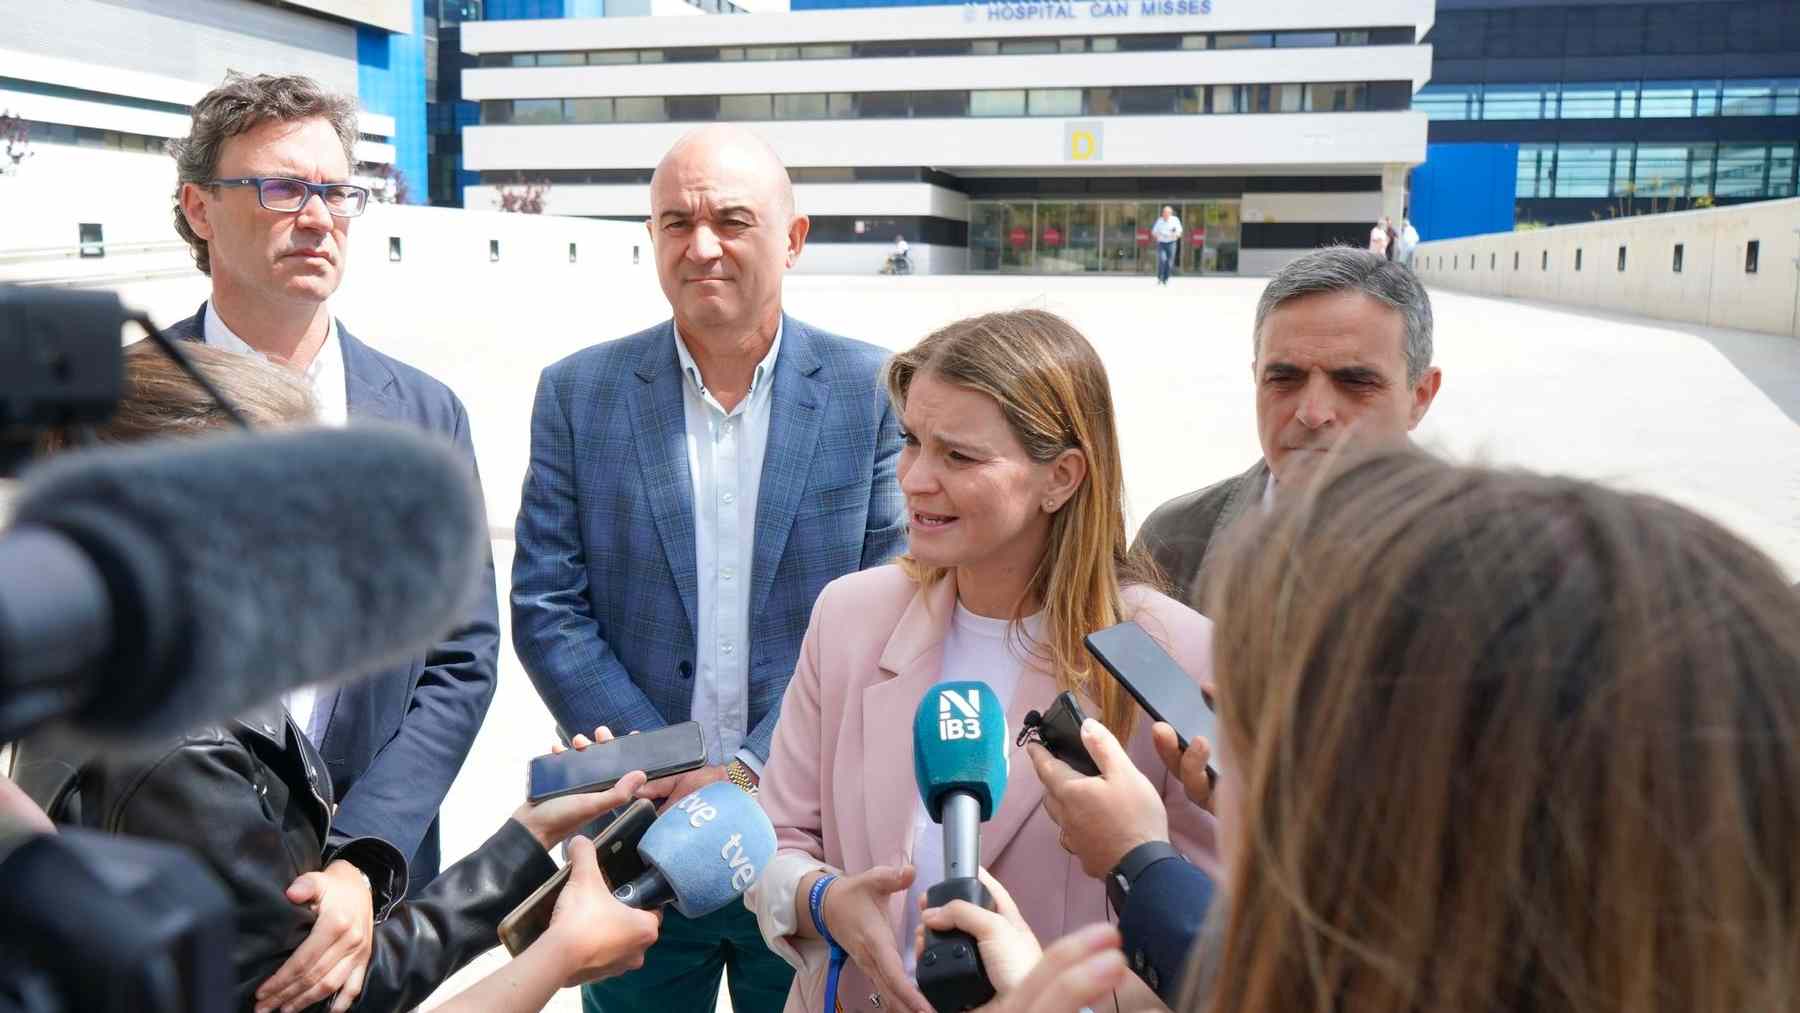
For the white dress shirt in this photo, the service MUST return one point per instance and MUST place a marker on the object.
(725, 462)
(332, 396)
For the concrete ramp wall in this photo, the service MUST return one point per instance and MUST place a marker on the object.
(1737, 267)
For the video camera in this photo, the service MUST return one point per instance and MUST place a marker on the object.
(90, 921)
(145, 590)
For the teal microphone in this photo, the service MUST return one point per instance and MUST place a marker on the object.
(960, 746)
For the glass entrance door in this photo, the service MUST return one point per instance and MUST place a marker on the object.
(1210, 243)
(1073, 237)
(1119, 250)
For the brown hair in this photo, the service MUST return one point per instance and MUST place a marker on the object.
(1506, 742)
(159, 399)
(239, 105)
(1053, 392)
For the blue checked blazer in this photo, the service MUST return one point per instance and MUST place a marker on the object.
(604, 582)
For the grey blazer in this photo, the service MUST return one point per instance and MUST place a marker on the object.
(1180, 534)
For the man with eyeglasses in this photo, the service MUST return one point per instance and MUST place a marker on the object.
(265, 203)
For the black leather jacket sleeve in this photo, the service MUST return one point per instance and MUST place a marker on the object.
(427, 938)
(213, 797)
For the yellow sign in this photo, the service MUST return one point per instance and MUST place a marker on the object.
(1082, 141)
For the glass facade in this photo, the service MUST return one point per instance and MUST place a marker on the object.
(1605, 100)
(1079, 237)
(955, 47)
(1646, 169)
(1150, 100)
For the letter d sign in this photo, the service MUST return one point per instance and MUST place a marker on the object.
(1082, 141)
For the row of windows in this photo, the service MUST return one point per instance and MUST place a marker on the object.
(1154, 100)
(1656, 170)
(1677, 259)
(1606, 100)
(956, 47)
(1759, 26)
(89, 137)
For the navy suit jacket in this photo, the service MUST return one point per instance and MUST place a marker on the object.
(396, 738)
(1161, 923)
(604, 584)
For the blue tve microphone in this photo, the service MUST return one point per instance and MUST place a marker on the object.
(960, 760)
(703, 852)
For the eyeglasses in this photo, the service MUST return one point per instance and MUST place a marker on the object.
(281, 193)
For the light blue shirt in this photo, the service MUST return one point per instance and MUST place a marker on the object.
(725, 462)
(1166, 230)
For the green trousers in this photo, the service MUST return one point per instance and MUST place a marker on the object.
(681, 972)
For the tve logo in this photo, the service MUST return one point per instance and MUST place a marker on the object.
(742, 872)
(950, 704)
(698, 812)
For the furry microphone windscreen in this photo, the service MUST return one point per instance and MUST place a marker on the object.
(242, 566)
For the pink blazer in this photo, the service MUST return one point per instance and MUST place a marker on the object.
(839, 782)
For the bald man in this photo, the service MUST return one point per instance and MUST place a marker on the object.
(692, 488)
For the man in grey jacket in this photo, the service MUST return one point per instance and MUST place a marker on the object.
(1341, 350)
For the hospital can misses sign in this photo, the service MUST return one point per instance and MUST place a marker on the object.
(1083, 10)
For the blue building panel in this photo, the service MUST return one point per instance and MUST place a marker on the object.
(1464, 190)
(390, 79)
(535, 10)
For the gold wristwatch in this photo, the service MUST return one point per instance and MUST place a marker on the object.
(738, 772)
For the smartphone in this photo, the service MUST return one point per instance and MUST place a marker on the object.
(676, 749)
(1160, 686)
(620, 863)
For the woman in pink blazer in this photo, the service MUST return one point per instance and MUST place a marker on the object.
(1017, 550)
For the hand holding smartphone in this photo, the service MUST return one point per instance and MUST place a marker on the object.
(1159, 685)
(616, 848)
(676, 749)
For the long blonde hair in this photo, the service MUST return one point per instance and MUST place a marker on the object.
(1506, 743)
(1052, 390)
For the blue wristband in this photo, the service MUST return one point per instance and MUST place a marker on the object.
(815, 902)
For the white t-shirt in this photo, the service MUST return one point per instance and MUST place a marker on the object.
(1378, 240)
(975, 648)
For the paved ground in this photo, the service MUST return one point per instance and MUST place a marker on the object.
(1661, 407)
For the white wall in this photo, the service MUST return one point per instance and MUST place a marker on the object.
(1074, 70)
(130, 194)
(1264, 262)
(1315, 142)
(1712, 287)
(1312, 207)
(867, 258)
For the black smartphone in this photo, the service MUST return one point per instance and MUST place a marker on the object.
(617, 849)
(1160, 686)
(676, 749)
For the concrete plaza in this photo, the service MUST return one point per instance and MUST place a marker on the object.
(1706, 417)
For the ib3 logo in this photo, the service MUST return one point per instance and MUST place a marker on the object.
(959, 715)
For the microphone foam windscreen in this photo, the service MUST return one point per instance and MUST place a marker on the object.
(960, 744)
(255, 563)
(710, 846)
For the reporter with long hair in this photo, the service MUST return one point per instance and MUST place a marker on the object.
(1500, 741)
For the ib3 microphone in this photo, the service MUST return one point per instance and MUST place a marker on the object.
(702, 853)
(960, 761)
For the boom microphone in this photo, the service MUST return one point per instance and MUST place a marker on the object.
(145, 590)
(703, 853)
(960, 761)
